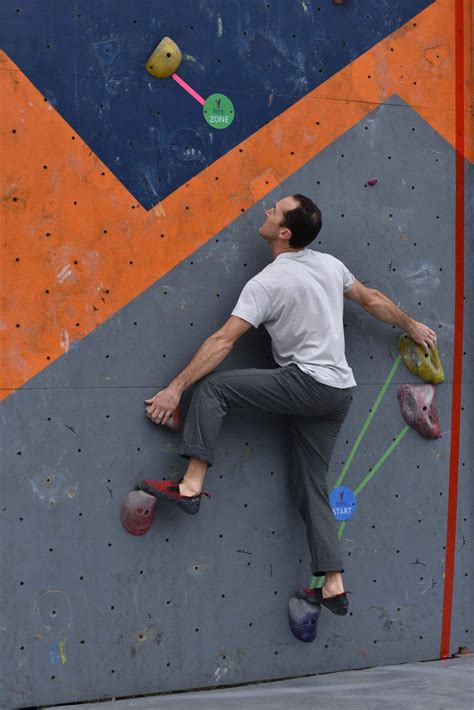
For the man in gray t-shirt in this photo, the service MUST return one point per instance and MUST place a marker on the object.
(299, 299)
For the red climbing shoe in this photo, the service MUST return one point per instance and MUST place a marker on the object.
(136, 514)
(339, 604)
(169, 491)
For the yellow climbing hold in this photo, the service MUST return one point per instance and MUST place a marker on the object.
(62, 652)
(428, 367)
(165, 59)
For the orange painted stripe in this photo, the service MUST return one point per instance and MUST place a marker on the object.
(78, 248)
(458, 342)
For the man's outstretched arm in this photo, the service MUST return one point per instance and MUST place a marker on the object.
(381, 307)
(211, 353)
(209, 356)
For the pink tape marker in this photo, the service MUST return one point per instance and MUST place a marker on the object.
(187, 88)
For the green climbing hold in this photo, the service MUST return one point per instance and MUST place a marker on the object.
(426, 366)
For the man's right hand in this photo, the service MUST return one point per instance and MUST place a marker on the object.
(161, 407)
(422, 335)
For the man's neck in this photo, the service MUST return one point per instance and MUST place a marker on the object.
(277, 252)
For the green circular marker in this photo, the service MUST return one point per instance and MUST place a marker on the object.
(218, 111)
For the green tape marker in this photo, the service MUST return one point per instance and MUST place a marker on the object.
(319, 581)
(381, 460)
(367, 422)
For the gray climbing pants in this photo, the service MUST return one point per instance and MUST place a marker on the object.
(316, 413)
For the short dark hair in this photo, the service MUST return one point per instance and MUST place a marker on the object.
(304, 221)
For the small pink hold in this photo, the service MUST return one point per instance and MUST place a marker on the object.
(372, 181)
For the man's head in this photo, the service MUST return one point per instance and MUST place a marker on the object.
(293, 221)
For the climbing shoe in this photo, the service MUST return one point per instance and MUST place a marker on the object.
(169, 491)
(338, 604)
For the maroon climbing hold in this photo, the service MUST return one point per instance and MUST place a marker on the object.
(372, 181)
(174, 422)
(419, 408)
(136, 514)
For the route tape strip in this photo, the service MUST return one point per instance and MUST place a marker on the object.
(367, 422)
(188, 88)
(371, 473)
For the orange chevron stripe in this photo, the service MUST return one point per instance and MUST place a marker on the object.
(70, 267)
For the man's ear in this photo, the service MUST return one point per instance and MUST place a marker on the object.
(285, 233)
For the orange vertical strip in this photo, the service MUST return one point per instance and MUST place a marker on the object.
(458, 334)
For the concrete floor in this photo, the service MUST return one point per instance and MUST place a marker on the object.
(437, 685)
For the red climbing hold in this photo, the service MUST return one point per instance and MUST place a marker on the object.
(136, 514)
(372, 181)
(174, 422)
(419, 408)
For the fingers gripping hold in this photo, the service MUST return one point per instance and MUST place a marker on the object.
(171, 419)
(163, 408)
(423, 335)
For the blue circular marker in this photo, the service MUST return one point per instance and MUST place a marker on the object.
(343, 503)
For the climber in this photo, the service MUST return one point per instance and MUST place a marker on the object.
(298, 297)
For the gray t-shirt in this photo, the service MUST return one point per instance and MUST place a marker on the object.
(299, 298)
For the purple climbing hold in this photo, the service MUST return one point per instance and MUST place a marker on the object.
(303, 619)
(419, 408)
(372, 181)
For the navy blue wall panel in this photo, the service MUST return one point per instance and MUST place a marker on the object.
(88, 59)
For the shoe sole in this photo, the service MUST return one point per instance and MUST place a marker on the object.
(162, 496)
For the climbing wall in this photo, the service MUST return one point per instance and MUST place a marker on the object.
(130, 227)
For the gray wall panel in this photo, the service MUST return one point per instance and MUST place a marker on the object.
(78, 441)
